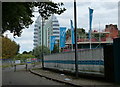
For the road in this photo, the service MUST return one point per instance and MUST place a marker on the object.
(22, 77)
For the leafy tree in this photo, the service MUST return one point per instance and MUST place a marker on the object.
(24, 56)
(9, 48)
(30, 52)
(80, 33)
(37, 51)
(97, 36)
(17, 15)
(0, 47)
(56, 49)
(25, 52)
(68, 34)
(119, 33)
(48, 8)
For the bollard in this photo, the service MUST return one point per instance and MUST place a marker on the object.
(26, 67)
(34, 64)
(14, 68)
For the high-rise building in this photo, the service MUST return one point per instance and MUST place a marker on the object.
(37, 32)
(50, 28)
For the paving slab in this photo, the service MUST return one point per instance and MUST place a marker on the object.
(60, 77)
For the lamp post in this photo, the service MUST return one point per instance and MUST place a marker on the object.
(75, 35)
(42, 43)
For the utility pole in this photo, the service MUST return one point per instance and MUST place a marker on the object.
(76, 55)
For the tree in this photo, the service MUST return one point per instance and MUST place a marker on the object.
(68, 34)
(0, 47)
(30, 52)
(24, 56)
(37, 51)
(25, 52)
(80, 33)
(17, 15)
(9, 48)
(98, 35)
(48, 8)
(56, 49)
(119, 33)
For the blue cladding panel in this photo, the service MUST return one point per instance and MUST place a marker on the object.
(82, 62)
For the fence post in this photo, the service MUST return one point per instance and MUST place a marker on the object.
(116, 48)
(112, 61)
(108, 63)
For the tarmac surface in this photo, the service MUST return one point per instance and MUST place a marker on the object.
(23, 78)
(54, 78)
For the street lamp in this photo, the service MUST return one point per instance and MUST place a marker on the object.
(42, 42)
(75, 35)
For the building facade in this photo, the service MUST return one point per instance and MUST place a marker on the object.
(50, 28)
(113, 31)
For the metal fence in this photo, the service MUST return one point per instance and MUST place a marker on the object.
(88, 61)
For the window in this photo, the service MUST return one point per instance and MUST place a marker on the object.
(35, 25)
(55, 28)
(55, 24)
(54, 21)
(35, 41)
(35, 33)
(35, 37)
(57, 36)
(35, 28)
(55, 32)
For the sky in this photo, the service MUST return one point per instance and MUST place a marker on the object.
(105, 12)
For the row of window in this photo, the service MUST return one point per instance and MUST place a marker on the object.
(35, 36)
(36, 29)
(35, 32)
(56, 29)
(55, 21)
(56, 36)
(35, 25)
(55, 24)
(55, 32)
(35, 40)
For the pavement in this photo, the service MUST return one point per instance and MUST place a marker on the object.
(71, 80)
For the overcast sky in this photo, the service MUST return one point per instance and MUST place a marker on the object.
(105, 12)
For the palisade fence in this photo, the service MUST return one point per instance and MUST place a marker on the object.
(89, 60)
